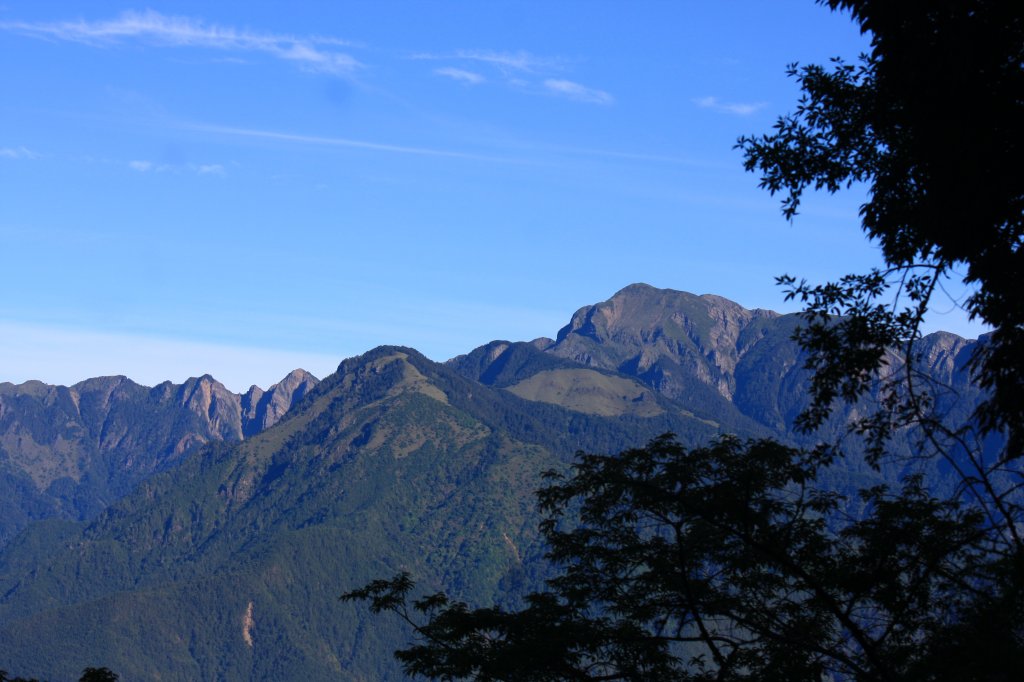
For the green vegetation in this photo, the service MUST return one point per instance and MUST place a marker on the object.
(589, 391)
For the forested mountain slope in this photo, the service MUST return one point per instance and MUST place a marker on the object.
(393, 462)
(225, 561)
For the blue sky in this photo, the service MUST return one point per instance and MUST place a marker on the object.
(241, 188)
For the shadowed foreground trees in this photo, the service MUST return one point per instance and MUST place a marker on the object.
(733, 561)
(725, 563)
(88, 675)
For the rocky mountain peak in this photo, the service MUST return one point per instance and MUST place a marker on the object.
(214, 403)
(657, 334)
(297, 379)
(262, 409)
(945, 356)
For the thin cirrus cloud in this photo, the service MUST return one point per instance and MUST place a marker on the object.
(737, 108)
(341, 142)
(17, 153)
(141, 166)
(575, 91)
(506, 62)
(543, 150)
(314, 53)
(517, 68)
(461, 75)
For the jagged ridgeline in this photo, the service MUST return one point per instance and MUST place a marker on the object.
(225, 560)
(69, 451)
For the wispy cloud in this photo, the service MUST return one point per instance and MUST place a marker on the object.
(142, 166)
(17, 153)
(505, 61)
(517, 61)
(737, 108)
(578, 92)
(345, 142)
(314, 53)
(461, 75)
(521, 70)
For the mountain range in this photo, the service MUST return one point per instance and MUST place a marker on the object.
(184, 532)
(68, 451)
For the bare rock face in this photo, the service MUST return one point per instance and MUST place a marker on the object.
(262, 409)
(944, 357)
(667, 338)
(212, 402)
(542, 343)
(708, 350)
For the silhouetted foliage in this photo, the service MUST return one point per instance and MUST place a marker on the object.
(88, 675)
(929, 121)
(5, 678)
(725, 563)
(731, 562)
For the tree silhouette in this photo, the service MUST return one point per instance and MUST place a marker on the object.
(733, 561)
(929, 121)
(98, 675)
(724, 563)
(4, 678)
(88, 675)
